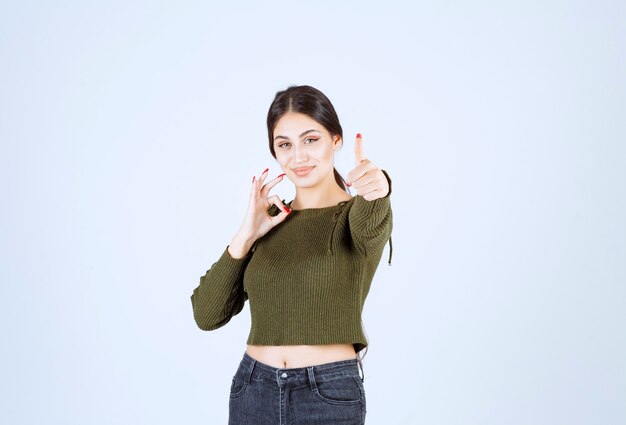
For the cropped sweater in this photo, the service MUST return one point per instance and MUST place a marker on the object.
(306, 279)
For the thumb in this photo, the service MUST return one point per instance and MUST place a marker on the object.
(358, 149)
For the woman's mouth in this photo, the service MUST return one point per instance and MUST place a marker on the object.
(302, 171)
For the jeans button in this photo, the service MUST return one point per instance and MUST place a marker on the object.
(284, 375)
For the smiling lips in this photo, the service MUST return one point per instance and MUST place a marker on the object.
(302, 171)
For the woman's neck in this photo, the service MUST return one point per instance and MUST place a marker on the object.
(316, 197)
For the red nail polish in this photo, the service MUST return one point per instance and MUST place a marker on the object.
(349, 185)
(281, 175)
(265, 171)
(253, 177)
(358, 135)
(287, 209)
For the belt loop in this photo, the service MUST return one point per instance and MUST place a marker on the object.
(362, 372)
(312, 382)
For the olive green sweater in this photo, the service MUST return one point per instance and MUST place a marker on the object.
(306, 280)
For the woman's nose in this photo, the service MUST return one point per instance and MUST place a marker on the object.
(300, 155)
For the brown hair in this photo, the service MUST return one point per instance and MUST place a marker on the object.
(312, 102)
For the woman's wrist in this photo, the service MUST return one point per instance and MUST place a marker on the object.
(240, 246)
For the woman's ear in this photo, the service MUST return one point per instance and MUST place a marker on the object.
(337, 143)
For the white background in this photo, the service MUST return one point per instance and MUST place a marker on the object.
(130, 132)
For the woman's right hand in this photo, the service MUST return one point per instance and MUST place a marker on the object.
(258, 221)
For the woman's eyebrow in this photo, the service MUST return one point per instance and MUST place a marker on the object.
(287, 138)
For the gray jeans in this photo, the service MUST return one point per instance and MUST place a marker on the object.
(328, 393)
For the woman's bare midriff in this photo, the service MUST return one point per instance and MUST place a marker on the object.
(290, 356)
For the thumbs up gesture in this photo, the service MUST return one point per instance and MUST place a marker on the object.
(367, 178)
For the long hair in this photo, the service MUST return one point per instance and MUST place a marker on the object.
(312, 102)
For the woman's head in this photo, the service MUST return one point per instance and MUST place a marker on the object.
(304, 131)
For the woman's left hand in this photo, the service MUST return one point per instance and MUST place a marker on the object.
(368, 180)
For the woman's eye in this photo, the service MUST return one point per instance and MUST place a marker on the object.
(286, 143)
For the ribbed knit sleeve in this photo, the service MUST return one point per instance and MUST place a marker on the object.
(220, 294)
(371, 222)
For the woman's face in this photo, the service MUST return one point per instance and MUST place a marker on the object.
(304, 148)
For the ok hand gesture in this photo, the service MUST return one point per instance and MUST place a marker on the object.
(367, 178)
(257, 221)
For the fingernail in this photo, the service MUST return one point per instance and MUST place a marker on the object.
(281, 175)
(265, 171)
(253, 177)
(358, 135)
(349, 185)
(287, 209)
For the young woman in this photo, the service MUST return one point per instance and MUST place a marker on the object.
(306, 268)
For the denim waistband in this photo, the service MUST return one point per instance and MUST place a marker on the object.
(253, 368)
